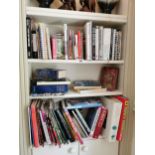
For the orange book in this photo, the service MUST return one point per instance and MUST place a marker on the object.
(34, 124)
(124, 101)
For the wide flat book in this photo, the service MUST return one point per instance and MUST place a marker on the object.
(114, 108)
(94, 90)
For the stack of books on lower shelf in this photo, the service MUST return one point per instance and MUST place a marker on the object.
(70, 120)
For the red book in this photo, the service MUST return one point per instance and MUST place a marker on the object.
(80, 45)
(77, 134)
(34, 124)
(54, 47)
(109, 77)
(124, 101)
(100, 122)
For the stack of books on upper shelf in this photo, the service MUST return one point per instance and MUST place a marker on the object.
(54, 81)
(89, 43)
(72, 120)
(49, 81)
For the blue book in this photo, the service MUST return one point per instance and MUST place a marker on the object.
(49, 89)
(84, 105)
(49, 74)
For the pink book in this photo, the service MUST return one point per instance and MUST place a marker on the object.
(54, 47)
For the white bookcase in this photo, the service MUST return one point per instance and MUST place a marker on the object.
(75, 70)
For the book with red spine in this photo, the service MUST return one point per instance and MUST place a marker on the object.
(124, 101)
(80, 45)
(71, 123)
(54, 47)
(100, 121)
(34, 124)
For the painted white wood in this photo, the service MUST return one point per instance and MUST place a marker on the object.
(73, 17)
(72, 94)
(98, 147)
(41, 61)
(69, 149)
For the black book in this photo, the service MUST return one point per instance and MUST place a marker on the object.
(28, 31)
(64, 125)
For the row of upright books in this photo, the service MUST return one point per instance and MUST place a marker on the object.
(55, 81)
(91, 43)
(72, 120)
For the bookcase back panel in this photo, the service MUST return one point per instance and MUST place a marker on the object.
(81, 71)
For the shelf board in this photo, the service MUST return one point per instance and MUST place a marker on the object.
(55, 16)
(72, 94)
(41, 61)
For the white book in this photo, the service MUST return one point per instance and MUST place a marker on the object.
(114, 111)
(47, 83)
(76, 46)
(101, 34)
(66, 40)
(48, 43)
(97, 43)
(116, 46)
(88, 38)
(87, 91)
(119, 45)
(113, 44)
(45, 128)
(43, 41)
(106, 43)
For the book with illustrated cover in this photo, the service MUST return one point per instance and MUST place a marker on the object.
(109, 78)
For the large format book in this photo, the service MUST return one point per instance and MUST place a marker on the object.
(34, 124)
(85, 84)
(28, 31)
(82, 104)
(80, 45)
(64, 125)
(101, 43)
(124, 101)
(109, 77)
(41, 89)
(47, 74)
(100, 121)
(88, 40)
(106, 43)
(114, 108)
(71, 123)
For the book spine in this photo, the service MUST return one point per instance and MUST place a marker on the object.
(34, 44)
(66, 41)
(113, 44)
(76, 47)
(95, 121)
(78, 136)
(106, 40)
(59, 48)
(100, 122)
(101, 43)
(44, 127)
(54, 47)
(93, 42)
(34, 125)
(82, 120)
(119, 45)
(122, 117)
(28, 28)
(116, 45)
(48, 43)
(30, 126)
(97, 43)
(70, 56)
(79, 45)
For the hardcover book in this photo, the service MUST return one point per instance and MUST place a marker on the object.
(109, 77)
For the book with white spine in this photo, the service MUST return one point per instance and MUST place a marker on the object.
(106, 43)
(101, 34)
(88, 40)
(66, 38)
(48, 43)
(97, 43)
(114, 111)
